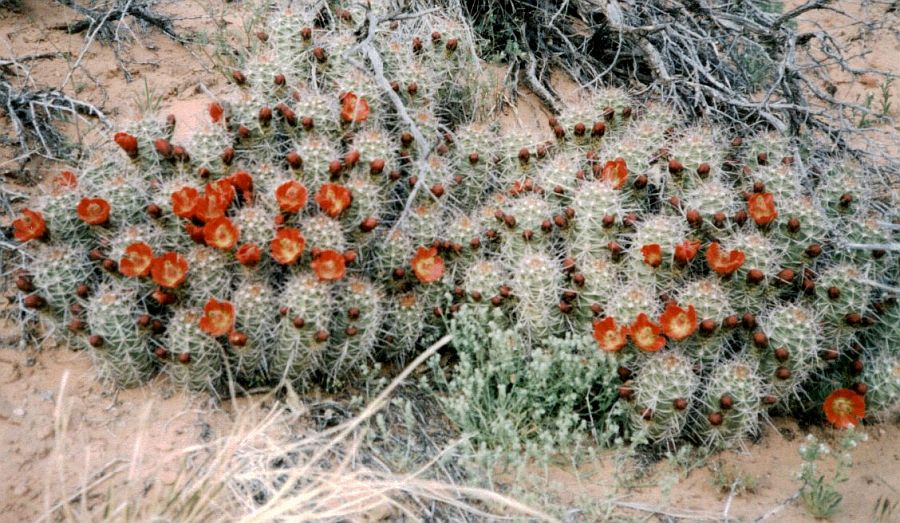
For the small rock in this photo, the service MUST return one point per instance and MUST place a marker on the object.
(19, 412)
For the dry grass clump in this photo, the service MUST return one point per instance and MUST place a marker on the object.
(265, 469)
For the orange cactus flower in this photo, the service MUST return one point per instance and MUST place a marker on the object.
(652, 254)
(128, 143)
(218, 317)
(66, 179)
(93, 211)
(169, 270)
(354, 109)
(677, 323)
(137, 260)
(248, 254)
(242, 181)
(220, 233)
(645, 334)
(844, 408)
(222, 188)
(333, 199)
(195, 232)
(723, 263)
(610, 338)
(686, 251)
(615, 172)
(287, 245)
(211, 205)
(184, 201)
(30, 226)
(216, 111)
(291, 196)
(427, 265)
(761, 207)
(329, 265)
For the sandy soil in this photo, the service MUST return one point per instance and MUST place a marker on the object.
(50, 399)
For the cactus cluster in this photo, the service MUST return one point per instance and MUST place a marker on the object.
(320, 222)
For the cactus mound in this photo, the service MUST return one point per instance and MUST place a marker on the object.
(323, 220)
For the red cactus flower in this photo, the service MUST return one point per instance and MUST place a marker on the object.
(248, 254)
(217, 196)
(66, 179)
(723, 263)
(220, 233)
(761, 207)
(844, 408)
(184, 201)
(223, 188)
(652, 254)
(30, 226)
(216, 111)
(137, 260)
(333, 199)
(169, 270)
(354, 109)
(645, 334)
(195, 232)
(291, 196)
(678, 323)
(93, 211)
(610, 338)
(615, 172)
(242, 181)
(218, 317)
(128, 143)
(686, 251)
(329, 265)
(427, 265)
(287, 245)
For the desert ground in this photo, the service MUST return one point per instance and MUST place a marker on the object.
(60, 428)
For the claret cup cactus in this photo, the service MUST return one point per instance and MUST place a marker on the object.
(352, 195)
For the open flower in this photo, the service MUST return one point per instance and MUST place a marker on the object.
(844, 408)
(128, 143)
(93, 211)
(354, 108)
(30, 226)
(615, 172)
(329, 265)
(287, 245)
(333, 199)
(761, 207)
(184, 200)
(137, 260)
(645, 334)
(723, 263)
(686, 251)
(652, 254)
(218, 317)
(248, 254)
(214, 202)
(169, 270)
(291, 196)
(220, 233)
(678, 323)
(222, 188)
(427, 265)
(610, 338)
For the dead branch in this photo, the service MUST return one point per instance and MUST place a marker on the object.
(33, 114)
(103, 21)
